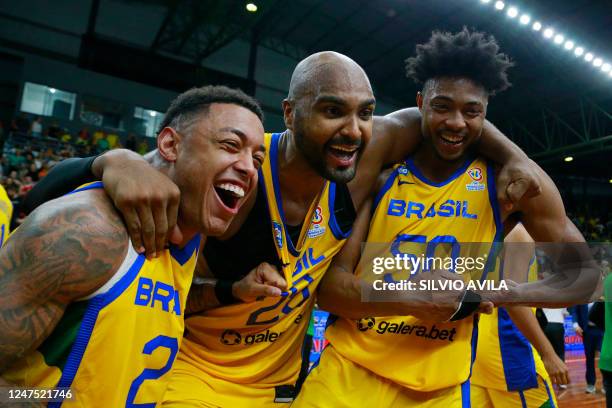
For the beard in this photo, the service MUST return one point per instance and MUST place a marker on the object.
(315, 156)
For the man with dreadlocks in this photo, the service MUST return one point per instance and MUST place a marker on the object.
(436, 201)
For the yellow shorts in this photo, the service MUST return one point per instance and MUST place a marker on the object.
(192, 388)
(337, 383)
(541, 397)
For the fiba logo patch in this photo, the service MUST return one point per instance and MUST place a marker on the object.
(231, 337)
(316, 229)
(366, 323)
(475, 173)
(278, 233)
(317, 218)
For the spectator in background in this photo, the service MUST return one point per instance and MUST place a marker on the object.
(605, 358)
(36, 130)
(130, 142)
(98, 134)
(16, 159)
(555, 332)
(102, 145)
(592, 337)
(113, 140)
(143, 147)
(83, 138)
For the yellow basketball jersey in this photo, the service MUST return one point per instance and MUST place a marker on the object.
(6, 213)
(441, 217)
(505, 359)
(259, 343)
(116, 347)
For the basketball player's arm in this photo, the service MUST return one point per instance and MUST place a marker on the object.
(399, 133)
(147, 198)
(54, 258)
(577, 274)
(208, 292)
(527, 323)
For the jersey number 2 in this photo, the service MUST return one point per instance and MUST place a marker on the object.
(152, 373)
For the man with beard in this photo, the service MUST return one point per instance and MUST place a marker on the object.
(243, 350)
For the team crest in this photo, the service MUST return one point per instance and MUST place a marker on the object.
(403, 170)
(475, 174)
(278, 233)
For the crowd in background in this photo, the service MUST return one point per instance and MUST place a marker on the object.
(30, 149)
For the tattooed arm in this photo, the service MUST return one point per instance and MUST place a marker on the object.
(64, 251)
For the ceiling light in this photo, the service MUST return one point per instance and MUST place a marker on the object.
(559, 39)
(548, 33)
(568, 159)
(525, 19)
(512, 12)
(579, 51)
(252, 7)
(597, 62)
(537, 26)
(485, 1)
(152, 113)
(588, 57)
(605, 67)
(499, 5)
(52, 90)
(569, 45)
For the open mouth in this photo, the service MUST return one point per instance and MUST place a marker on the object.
(344, 155)
(229, 194)
(452, 139)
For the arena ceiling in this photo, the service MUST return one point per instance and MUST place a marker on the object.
(557, 100)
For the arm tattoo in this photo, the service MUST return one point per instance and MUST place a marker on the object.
(64, 251)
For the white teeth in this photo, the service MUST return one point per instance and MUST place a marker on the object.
(344, 149)
(236, 190)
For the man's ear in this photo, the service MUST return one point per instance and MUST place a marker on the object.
(419, 101)
(168, 141)
(288, 113)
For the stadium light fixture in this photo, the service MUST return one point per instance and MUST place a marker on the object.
(537, 26)
(512, 12)
(252, 7)
(525, 19)
(485, 1)
(569, 45)
(152, 113)
(559, 39)
(548, 33)
(597, 62)
(52, 90)
(605, 67)
(500, 5)
(588, 57)
(610, 181)
(579, 51)
(568, 159)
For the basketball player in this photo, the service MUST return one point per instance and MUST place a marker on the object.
(79, 308)
(246, 351)
(6, 214)
(439, 197)
(508, 370)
